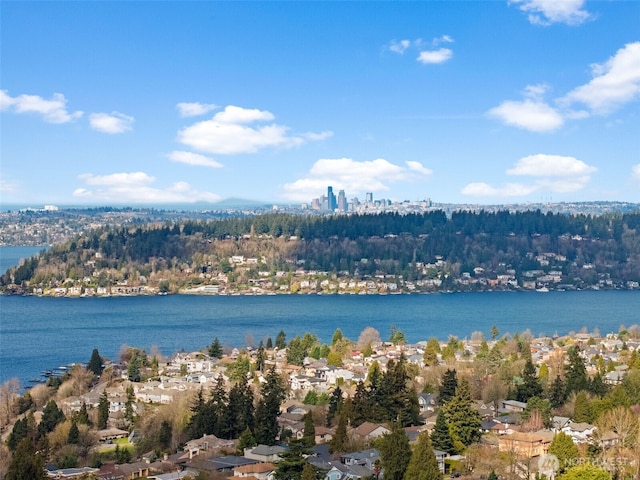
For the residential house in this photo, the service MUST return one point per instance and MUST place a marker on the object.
(580, 432)
(259, 471)
(527, 445)
(264, 453)
(369, 431)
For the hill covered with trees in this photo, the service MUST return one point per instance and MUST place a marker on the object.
(356, 253)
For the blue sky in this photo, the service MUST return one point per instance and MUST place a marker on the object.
(478, 102)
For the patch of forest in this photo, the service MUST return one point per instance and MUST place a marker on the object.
(357, 245)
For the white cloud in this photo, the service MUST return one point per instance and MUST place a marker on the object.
(399, 46)
(194, 109)
(546, 12)
(419, 168)
(442, 39)
(228, 133)
(352, 176)
(542, 165)
(614, 83)
(481, 189)
(7, 187)
(191, 158)
(635, 172)
(528, 114)
(137, 187)
(114, 122)
(52, 111)
(435, 56)
(553, 173)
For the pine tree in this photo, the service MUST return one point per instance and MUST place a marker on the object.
(440, 436)
(583, 411)
(530, 386)
(309, 435)
(281, 340)
(103, 411)
(95, 363)
(74, 434)
(423, 464)
(492, 475)
(82, 417)
(292, 462)
(576, 376)
(26, 464)
(562, 446)
(360, 408)
(272, 395)
(338, 443)
(260, 357)
(215, 349)
(463, 418)
(246, 440)
(558, 393)
(335, 403)
(51, 416)
(395, 453)
(448, 386)
(165, 435)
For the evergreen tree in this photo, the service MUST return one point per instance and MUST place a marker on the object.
(238, 413)
(558, 393)
(246, 440)
(337, 336)
(272, 395)
(530, 386)
(260, 357)
(430, 355)
(423, 464)
(309, 435)
(51, 416)
(269, 343)
(82, 417)
(215, 349)
(441, 436)
(19, 431)
(128, 405)
(395, 453)
(292, 462)
(165, 435)
(309, 472)
(103, 411)
(74, 434)
(215, 409)
(448, 386)
(133, 369)
(335, 403)
(338, 443)
(494, 332)
(281, 340)
(360, 408)
(26, 464)
(597, 386)
(492, 475)
(583, 410)
(576, 372)
(464, 420)
(95, 363)
(562, 446)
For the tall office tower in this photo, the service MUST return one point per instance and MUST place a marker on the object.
(331, 199)
(369, 197)
(342, 201)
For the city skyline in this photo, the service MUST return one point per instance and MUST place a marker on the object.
(461, 102)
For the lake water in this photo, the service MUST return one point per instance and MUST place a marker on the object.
(11, 256)
(38, 333)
